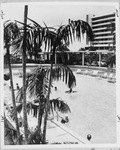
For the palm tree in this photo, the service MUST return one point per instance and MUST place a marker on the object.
(24, 74)
(37, 85)
(11, 32)
(56, 105)
(19, 46)
(53, 38)
(63, 35)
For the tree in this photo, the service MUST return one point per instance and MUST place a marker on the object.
(37, 86)
(52, 38)
(11, 32)
(24, 75)
(65, 34)
(19, 46)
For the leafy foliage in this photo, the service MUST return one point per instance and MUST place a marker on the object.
(9, 128)
(55, 104)
(11, 32)
(51, 38)
(35, 138)
(37, 82)
(64, 73)
(111, 60)
(30, 107)
(61, 106)
(10, 133)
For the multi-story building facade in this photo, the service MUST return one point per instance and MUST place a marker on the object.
(104, 31)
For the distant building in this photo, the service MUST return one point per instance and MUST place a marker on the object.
(102, 29)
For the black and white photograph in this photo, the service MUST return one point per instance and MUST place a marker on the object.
(59, 73)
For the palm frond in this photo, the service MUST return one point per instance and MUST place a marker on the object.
(35, 23)
(12, 37)
(9, 129)
(11, 32)
(52, 38)
(37, 82)
(19, 96)
(44, 35)
(31, 108)
(60, 105)
(74, 29)
(62, 72)
(24, 24)
(17, 46)
(19, 108)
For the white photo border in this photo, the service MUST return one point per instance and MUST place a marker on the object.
(116, 3)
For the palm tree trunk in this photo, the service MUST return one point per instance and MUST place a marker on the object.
(40, 114)
(47, 105)
(24, 77)
(13, 97)
(48, 96)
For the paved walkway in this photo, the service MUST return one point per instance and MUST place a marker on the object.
(59, 134)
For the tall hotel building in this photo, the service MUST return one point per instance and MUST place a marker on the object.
(103, 37)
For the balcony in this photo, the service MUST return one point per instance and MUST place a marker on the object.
(105, 41)
(101, 24)
(104, 19)
(101, 28)
(104, 32)
(104, 37)
(101, 45)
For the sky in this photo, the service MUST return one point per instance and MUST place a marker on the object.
(55, 14)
